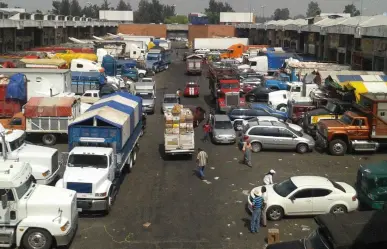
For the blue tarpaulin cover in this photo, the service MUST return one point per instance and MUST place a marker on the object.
(87, 77)
(16, 88)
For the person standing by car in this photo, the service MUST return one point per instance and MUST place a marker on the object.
(257, 211)
(264, 206)
(202, 160)
(178, 93)
(268, 178)
(247, 153)
(206, 130)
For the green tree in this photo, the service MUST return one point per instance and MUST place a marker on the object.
(75, 8)
(3, 5)
(180, 19)
(91, 11)
(351, 9)
(313, 9)
(65, 8)
(299, 17)
(281, 14)
(106, 5)
(214, 9)
(153, 12)
(38, 11)
(123, 6)
(56, 7)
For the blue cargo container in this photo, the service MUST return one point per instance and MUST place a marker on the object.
(83, 81)
(275, 60)
(198, 20)
(115, 67)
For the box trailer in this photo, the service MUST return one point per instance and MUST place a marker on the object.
(218, 43)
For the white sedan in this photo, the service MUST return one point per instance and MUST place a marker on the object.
(307, 195)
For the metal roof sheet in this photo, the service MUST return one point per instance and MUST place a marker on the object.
(113, 104)
(107, 114)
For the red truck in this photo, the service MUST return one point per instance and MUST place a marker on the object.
(8, 107)
(225, 87)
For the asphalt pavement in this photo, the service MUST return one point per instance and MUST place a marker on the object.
(163, 205)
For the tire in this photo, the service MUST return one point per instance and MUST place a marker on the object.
(110, 200)
(337, 147)
(36, 238)
(250, 99)
(256, 147)
(141, 75)
(130, 164)
(49, 139)
(142, 133)
(282, 108)
(134, 156)
(275, 213)
(302, 148)
(339, 209)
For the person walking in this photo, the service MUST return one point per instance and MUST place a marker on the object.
(257, 211)
(178, 93)
(264, 206)
(206, 130)
(247, 153)
(268, 178)
(202, 160)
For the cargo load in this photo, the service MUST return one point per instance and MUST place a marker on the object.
(12, 95)
(179, 131)
(49, 107)
(44, 63)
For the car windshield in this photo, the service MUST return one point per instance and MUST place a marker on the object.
(223, 125)
(331, 107)
(95, 161)
(22, 189)
(16, 144)
(170, 100)
(316, 241)
(284, 188)
(144, 95)
(229, 86)
(345, 119)
(146, 80)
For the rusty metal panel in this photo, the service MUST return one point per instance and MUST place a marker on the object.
(49, 107)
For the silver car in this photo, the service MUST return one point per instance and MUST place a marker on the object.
(148, 101)
(222, 130)
(277, 135)
(169, 101)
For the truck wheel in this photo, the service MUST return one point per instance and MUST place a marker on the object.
(36, 238)
(282, 108)
(49, 139)
(110, 202)
(130, 164)
(134, 157)
(337, 147)
(141, 75)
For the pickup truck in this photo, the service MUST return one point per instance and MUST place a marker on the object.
(363, 130)
(90, 96)
(103, 142)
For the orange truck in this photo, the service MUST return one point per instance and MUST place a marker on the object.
(362, 130)
(237, 50)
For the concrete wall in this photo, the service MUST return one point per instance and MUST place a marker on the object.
(157, 30)
(209, 31)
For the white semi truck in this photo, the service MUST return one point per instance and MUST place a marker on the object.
(32, 215)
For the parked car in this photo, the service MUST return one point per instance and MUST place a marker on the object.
(222, 130)
(275, 135)
(191, 89)
(255, 121)
(259, 94)
(273, 112)
(148, 101)
(237, 115)
(249, 84)
(148, 79)
(307, 195)
(169, 101)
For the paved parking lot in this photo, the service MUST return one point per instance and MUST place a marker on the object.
(185, 212)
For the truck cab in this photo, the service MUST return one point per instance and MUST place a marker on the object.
(33, 215)
(228, 94)
(84, 65)
(43, 160)
(90, 96)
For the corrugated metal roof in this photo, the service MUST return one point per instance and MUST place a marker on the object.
(107, 114)
(113, 104)
(342, 78)
(374, 21)
(317, 65)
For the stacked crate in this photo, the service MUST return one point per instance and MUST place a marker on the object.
(179, 120)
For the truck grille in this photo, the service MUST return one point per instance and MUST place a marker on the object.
(232, 99)
(54, 162)
(80, 187)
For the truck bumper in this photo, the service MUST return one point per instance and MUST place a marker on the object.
(321, 141)
(64, 240)
(194, 72)
(51, 179)
(179, 152)
(92, 204)
(148, 109)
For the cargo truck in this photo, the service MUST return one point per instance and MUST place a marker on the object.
(84, 81)
(218, 43)
(33, 215)
(47, 117)
(102, 143)
(179, 135)
(364, 129)
(12, 95)
(123, 68)
(158, 59)
(194, 64)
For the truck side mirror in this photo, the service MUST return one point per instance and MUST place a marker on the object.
(4, 201)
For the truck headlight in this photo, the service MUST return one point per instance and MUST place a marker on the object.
(46, 173)
(65, 226)
(100, 194)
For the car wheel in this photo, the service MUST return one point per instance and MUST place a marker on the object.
(337, 147)
(302, 148)
(275, 213)
(251, 99)
(282, 108)
(339, 209)
(141, 75)
(256, 147)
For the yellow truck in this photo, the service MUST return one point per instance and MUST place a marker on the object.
(69, 55)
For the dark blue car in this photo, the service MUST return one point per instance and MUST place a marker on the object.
(278, 114)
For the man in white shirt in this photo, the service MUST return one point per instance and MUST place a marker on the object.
(268, 178)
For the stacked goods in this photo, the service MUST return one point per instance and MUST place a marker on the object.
(179, 120)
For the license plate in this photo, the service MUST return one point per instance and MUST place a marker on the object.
(79, 209)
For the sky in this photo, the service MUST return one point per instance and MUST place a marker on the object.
(370, 7)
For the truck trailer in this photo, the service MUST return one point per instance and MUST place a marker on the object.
(218, 43)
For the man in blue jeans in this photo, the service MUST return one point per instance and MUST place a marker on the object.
(257, 210)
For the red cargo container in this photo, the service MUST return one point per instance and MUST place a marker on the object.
(49, 107)
(9, 107)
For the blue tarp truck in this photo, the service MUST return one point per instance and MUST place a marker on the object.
(276, 60)
(83, 81)
(115, 67)
(102, 143)
(158, 59)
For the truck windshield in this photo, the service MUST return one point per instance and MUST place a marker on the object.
(94, 161)
(153, 57)
(223, 125)
(16, 144)
(145, 95)
(284, 188)
(22, 189)
(346, 119)
(316, 241)
(331, 107)
(229, 86)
